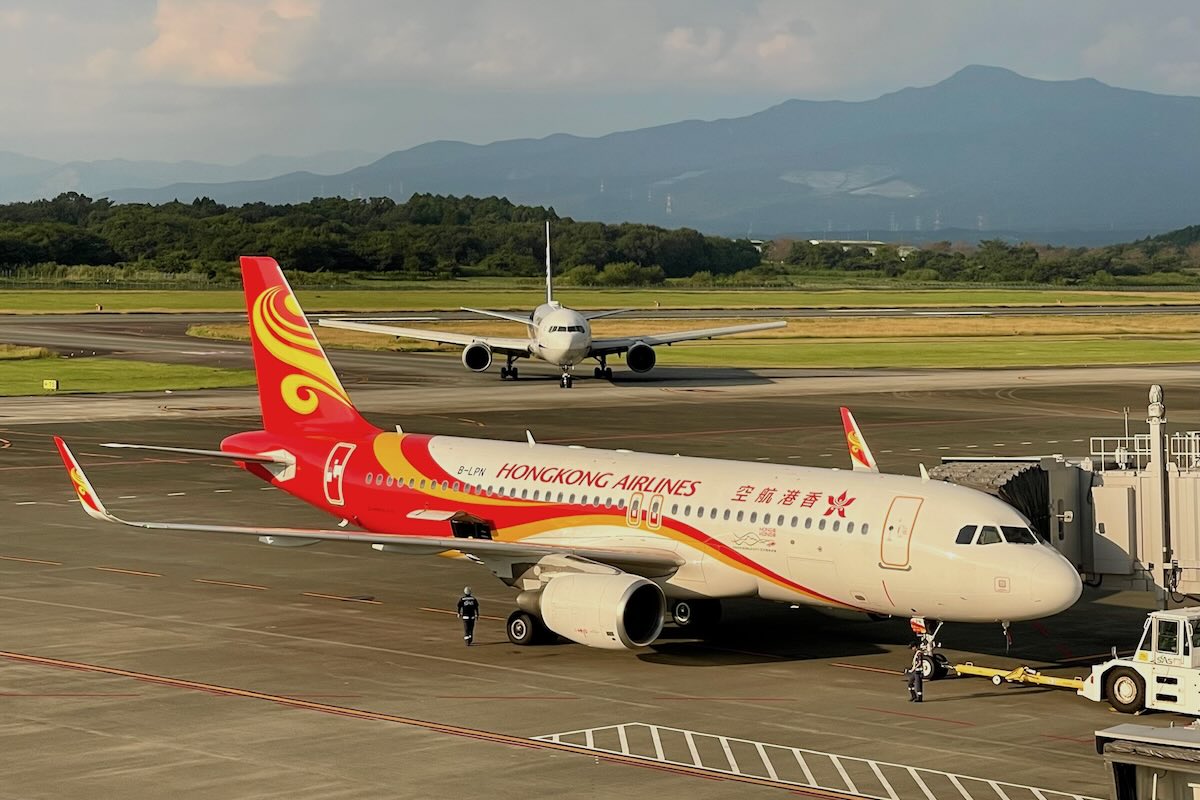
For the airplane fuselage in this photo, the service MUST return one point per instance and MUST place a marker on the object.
(884, 544)
(561, 336)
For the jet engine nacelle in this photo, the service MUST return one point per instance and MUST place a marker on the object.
(477, 357)
(612, 612)
(641, 357)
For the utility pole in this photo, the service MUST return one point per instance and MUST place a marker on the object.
(1156, 416)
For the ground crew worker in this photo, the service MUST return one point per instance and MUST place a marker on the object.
(916, 676)
(468, 612)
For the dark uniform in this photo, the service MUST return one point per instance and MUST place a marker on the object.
(916, 678)
(468, 612)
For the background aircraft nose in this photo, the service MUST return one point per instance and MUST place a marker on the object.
(1056, 585)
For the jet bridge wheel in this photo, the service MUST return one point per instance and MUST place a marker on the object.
(1125, 689)
(525, 629)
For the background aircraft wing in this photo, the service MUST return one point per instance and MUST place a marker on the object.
(620, 345)
(640, 560)
(524, 320)
(599, 314)
(499, 344)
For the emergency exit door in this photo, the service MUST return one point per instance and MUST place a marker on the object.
(896, 536)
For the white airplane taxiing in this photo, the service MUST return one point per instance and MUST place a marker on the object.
(556, 334)
(601, 545)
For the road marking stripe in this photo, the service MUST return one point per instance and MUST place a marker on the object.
(32, 561)
(176, 494)
(343, 599)
(231, 583)
(881, 670)
(129, 572)
(28, 503)
(69, 694)
(502, 697)
(222, 491)
(433, 727)
(128, 497)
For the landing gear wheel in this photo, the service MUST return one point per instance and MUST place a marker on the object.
(928, 668)
(525, 629)
(566, 382)
(504, 372)
(512, 373)
(607, 373)
(1126, 691)
(597, 373)
(695, 615)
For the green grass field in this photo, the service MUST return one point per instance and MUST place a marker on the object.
(76, 375)
(422, 297)
(999, 351)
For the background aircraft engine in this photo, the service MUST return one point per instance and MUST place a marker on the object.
(477, 357)
(641, 357)
(612, 612)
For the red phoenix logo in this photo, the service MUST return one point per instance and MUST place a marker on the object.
(838, 505)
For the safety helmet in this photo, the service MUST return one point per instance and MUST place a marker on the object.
(466, 590)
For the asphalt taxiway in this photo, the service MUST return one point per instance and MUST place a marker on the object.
(143, 665)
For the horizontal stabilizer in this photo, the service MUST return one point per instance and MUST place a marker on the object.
(524, 320)
(599, 314)
(190, 451)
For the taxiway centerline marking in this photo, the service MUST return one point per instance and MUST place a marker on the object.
(176, 494)
(31, 561)
(129, 572)
(343, 599)
(433, 727)
(231, 583)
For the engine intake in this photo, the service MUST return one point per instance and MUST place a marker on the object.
(641, 357)
(612, 612)
(477, 357)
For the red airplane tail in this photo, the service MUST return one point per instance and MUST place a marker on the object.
(297, 387)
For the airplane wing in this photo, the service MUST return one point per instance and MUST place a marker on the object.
(861, 458)
(499, 344)
(524, 320)
(640, 560)
(620, 345)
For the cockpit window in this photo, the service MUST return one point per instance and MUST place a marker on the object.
(989, 535)
(1018, 535)
(965, 534)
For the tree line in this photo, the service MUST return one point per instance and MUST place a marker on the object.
(427, 236)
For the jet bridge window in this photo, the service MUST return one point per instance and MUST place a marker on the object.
(989, 535)
(965, 534)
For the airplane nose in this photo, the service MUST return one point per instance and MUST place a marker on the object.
(1056, 585)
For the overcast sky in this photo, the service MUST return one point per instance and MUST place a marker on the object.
(223, 80)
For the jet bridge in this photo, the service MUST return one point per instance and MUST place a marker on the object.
(1127, 514)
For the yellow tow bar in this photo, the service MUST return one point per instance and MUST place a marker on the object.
(1021, 674)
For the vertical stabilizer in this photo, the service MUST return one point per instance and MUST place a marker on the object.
(297, 387)
(549, 279)
(861, 458)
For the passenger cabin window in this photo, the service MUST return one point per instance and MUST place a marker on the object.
(864, 529)
(807, 523)
(849, 527)
(989, 535)
(741, 515)
(965, 534)
(726, 515)
(754, 516)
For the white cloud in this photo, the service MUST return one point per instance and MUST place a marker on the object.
(228, 42)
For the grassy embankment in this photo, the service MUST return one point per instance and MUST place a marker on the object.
(22, 370)
(867, 342)
(469, 293)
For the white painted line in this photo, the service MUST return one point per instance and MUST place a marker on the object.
(837, 762)
(943, 447)
(795, 456)
(997, 444)
(767, 762)
(999, 791)
(1077, 440)
(691, 743)
(733, 765)
(28, 503)
(265, 488)
(916, 776)
(972, 446)
(658, 751)
(176, 494)
(1052, 441)
(762, 458)
(883, 781)
(961, 790)
(589, 739)
(1026, 442)
(808, 776)
(222, 491)
(624, 741)
(128, 497)
(825, 455)
(914, 449)
(885, 451)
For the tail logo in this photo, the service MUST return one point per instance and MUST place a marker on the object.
(854, 443)
(81, 487)
(285, 333)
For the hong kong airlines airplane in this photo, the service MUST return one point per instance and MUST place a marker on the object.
(601, 545)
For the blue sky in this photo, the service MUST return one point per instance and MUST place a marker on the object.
(223, 80)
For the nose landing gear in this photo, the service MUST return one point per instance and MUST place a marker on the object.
(566, 381)
(933, 664)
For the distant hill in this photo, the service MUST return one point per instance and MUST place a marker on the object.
(984, 150)
(25, 178)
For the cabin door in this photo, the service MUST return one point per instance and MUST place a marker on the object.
(896, 536)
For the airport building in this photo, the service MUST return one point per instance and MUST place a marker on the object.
(1127, 514)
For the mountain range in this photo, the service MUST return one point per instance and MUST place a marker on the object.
(984, 150)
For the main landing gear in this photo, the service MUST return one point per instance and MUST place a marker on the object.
(602, 371)
(508, 371)
(934, 665)
(566, 381)
(526, 629)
